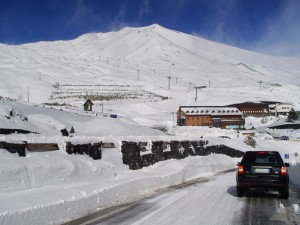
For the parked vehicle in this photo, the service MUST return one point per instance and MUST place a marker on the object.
(284, 138)
(224, 137)
(263, 171)
(281, 138)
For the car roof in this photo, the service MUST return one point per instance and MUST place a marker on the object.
(263, 151)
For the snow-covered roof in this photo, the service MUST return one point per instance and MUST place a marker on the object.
(213, 111)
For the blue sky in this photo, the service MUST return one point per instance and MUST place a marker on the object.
(268, 26)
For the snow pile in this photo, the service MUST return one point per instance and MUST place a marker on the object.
(52, 187)
(52, 121)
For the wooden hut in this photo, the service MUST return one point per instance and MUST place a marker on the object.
(88, 105)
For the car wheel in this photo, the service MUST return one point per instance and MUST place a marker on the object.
(285, 193)
(240, 191)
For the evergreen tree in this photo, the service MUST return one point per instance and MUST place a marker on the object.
(292, 116)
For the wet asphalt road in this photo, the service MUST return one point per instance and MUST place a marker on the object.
(210, 200)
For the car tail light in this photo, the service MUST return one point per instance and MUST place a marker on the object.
(283, 171)
(262, 153)
(241, 170)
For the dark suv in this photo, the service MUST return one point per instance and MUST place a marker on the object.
(262, 170)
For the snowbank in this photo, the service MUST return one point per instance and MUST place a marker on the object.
(294, 173)
(49, 188)
(53, 187)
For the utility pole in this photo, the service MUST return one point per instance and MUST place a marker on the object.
(173, 65)
(27, 93)
(209, 82)
(173, 119)
(196, 93)
(118, 68)
(260, 82)
(102, 106)
(169, 82)
(138, 72)
(199, 87)
(176, 79)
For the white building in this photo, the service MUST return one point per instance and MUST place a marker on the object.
(280, 109)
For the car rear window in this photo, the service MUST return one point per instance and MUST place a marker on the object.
(262, 158)
(265, 159)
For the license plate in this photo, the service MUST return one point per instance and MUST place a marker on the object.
(260, 170)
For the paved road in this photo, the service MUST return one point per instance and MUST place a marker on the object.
(268, 208)
(206, 201)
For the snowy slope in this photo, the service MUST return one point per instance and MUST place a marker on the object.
(48, 121)
(128, 70)
(157, 53)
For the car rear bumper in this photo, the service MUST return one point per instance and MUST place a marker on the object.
(262, 184)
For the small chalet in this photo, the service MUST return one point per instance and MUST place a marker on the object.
(88, 105)
(212, 116)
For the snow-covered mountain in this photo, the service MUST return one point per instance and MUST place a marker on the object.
(155, 51)
(127, 72)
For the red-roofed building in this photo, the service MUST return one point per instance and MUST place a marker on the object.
(211, 116)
